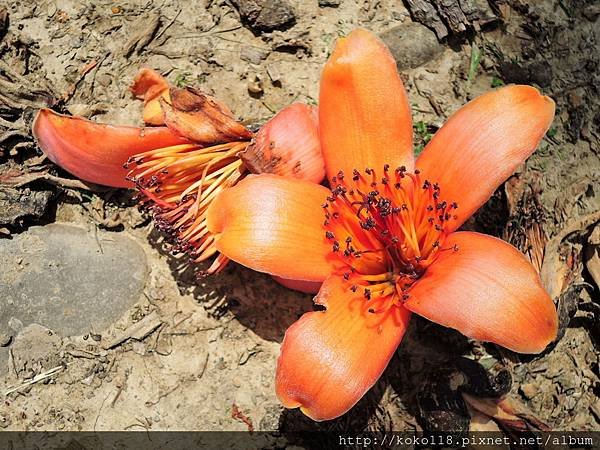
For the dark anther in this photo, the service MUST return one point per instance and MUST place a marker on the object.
(346, 276)
(336, 246)
(426, 184)
(455, 247)
(335, 215)
(430, 220)
(435, 244)
(371, 310)
(368, 171)
(353, 288)
(329, 235)
(340, 175)
(417, 171)
(386, 167)
(331, 199)
(397, 185)
(367, 294)
(333, 180)
(404, 206)
(348, 240)
(325, 205)
(384, 181)
(454, 205)
(438, 228)
(405, 297)
(447, 216)
(355, 175)
(429, 208)
(368, 224)
(395, 210)
(436, 187)
(395, 240)
(436, 195)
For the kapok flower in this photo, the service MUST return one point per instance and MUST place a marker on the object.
(384, 238)
(180, 168)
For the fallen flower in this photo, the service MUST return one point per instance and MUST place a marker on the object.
(383, 239)
(179, 168)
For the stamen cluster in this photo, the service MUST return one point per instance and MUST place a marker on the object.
(176, 186)
(386, 230)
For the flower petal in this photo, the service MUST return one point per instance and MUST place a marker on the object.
(150, 86)
(482, 144)
(488, 291)
(273, 224)
(308, 287)
(201, 118)
(364, 116)
(96, 152)
(288, 145)
(330, 359)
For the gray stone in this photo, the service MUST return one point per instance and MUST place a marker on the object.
(68, 279)
(266, 15)
(16, 204)
(330, 3)
(412, 45)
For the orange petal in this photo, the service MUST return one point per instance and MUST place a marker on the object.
(330, 359)
(288, 145)
(308, 287)
(364, 116)
(488, 291)
(201, 118)
(482, 144)
(96, 152)
(150, 86)
(273, 224)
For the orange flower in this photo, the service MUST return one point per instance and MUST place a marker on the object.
(179, 168)
(384, 238)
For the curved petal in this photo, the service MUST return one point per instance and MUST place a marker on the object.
(488, 291)
(364, 116)
(288, 145)
(482, 144)
(96, 152)
(274, 225)
(330, 359)
(150, 86)
(308, 287)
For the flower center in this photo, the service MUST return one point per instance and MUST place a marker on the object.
(386, 230)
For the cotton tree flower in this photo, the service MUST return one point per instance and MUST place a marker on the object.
(196, 150)
(384, 240)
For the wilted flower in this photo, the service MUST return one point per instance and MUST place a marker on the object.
(195, 151)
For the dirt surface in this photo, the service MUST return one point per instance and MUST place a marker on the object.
(200, 355)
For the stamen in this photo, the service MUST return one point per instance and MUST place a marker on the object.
(176, 186)
(394, 228)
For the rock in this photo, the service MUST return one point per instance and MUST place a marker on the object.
(253, 54)
(68, 279)
(5, 339)
(529, 390)
(265, 15)
(35, 344)
(16, 204)
(330, 3)
(412, 45)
